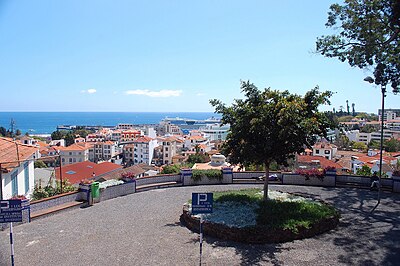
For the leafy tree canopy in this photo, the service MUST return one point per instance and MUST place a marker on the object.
(359, 146)
(368, 36)
(391, 145)
(271, 125)
(364, 170)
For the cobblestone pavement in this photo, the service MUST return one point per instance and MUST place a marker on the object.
(144, 229)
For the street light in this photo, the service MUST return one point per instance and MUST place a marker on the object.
(383, 90)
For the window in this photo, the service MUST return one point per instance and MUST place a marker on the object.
(317, 151)
(166, 155)
(14, 183)
(26, 175)
(166, 148)
(327, 151)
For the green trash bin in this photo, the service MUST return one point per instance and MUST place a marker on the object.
(95, 187)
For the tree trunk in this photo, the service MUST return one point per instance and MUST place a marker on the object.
(266, 164)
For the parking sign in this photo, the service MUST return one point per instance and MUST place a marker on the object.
(202, 203)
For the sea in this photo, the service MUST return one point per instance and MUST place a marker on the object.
(43, 123)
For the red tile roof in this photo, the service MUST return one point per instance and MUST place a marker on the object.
(135, 169)
(83, 170)
(10, 153)
(322, 161)
(143, 139)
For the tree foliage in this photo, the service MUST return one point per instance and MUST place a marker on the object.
(365, 170)
(343, 142)
(391, 145)
(359, 146)
(171, 169)
(368, 36)
(270, 125)
(40, 164)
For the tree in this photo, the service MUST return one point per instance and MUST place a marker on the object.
(364, 170)
(343, 142)
(369, 128)
(198, 158)
(270, 125)
(353, 110)
(373, 144)
(3, 131)
(171, 169)
(69, 139)
(391, 145)
(56, 135)
(368, 37)
(40, 164)
(359, 146)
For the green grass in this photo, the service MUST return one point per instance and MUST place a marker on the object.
(277, 214)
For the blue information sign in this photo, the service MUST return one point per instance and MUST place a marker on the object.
(10, 211)
(202, 203)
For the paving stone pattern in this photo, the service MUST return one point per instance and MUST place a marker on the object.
(143, 229)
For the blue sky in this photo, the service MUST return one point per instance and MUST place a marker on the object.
(166, 55)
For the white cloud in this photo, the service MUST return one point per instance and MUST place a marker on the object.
(161, 93)
(200, 94)
(90, 91)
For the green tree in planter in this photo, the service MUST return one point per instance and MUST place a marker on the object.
(270, 125)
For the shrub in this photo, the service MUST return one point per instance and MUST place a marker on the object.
(128, 175)
(313, 172)
(212, 174)
(171, 169)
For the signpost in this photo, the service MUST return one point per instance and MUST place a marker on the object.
(11, 211)
(202, 203)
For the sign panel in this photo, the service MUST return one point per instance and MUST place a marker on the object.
(202, 203)
(10, 211)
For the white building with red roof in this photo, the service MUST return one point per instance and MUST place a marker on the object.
(324, 149)
(16, 168)
(388, 162)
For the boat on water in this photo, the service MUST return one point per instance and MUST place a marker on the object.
(187, 121)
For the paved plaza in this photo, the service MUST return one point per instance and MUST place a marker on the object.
(144, 229)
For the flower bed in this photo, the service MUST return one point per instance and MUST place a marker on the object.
(241, 218)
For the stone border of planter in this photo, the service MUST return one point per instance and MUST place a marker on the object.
(258, 234)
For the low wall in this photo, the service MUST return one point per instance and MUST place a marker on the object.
(295, 179)
(158, 179)
(117, 191)
(46, 203)
(253, 174)
(226, 179)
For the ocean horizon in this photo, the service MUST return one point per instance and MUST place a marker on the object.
(47, 122)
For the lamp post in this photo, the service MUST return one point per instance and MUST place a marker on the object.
(383, 90)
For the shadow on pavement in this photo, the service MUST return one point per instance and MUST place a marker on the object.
(374, 238)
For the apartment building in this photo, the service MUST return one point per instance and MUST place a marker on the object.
(102, 151)
(215, 132)
(143, 150)
(171, 147)
(78, 152)
(129, 135)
